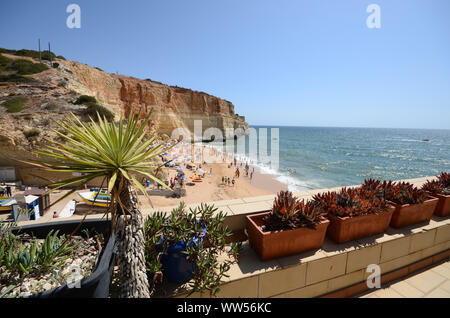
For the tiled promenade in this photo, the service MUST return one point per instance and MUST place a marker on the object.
(432, 282)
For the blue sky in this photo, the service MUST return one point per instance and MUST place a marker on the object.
(298, 63)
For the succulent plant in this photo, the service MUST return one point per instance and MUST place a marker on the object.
(24, 258)
(376, 186)
(404, 193)
(285, 206)
(439, 186)
(351, 202)
(289, 213)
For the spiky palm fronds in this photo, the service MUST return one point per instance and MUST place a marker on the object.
(102, 149)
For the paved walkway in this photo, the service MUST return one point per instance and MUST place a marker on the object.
(432, 282)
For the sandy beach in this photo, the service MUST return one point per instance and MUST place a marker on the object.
(212, 188)
(216, 165)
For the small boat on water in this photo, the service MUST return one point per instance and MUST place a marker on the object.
(98, 197)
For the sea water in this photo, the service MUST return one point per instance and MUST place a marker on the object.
(320, 157)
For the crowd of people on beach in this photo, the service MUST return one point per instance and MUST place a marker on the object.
(231, 181)
(184, 155)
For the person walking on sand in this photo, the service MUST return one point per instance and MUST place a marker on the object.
(228, 181)
(233, 181)
(8, 191)
(251, 176)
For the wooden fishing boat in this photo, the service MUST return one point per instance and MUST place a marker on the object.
(96, 198)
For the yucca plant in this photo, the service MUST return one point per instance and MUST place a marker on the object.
(116, 152)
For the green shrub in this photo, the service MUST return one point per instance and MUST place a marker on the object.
(24, 67)
(203, 225)
(55, 65)
(15, 104)
(12, 94)
(84, 99)
(4, 60)
(94, 108)
(15, 78)
(33, 132)
(45, 55)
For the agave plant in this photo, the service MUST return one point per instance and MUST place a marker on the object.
(290, 213)
(439, 186)
(117, 153)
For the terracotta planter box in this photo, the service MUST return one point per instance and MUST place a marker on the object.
(343, 229)
(269, 245)
(443, 205)
(409, 214)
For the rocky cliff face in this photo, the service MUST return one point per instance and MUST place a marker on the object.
(172, 107)
(52, 93)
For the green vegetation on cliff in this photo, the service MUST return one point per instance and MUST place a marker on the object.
(14, 69)
(45, 55)
(93, 107)
(15, 104)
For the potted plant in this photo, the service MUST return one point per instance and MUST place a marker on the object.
(440, 189)
(43, 261)
(185, 245)
(291, 227)
(355, 212)
(412, 205)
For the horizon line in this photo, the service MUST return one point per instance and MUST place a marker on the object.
(360, 127)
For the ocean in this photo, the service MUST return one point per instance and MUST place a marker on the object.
(320, 157)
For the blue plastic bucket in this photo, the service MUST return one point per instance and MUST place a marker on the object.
(176, 267)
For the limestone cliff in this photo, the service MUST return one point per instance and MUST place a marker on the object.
(172, 107)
